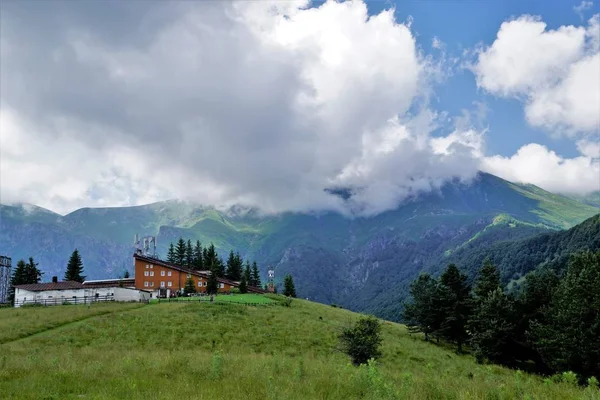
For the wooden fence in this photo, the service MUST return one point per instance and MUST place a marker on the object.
(64, 301)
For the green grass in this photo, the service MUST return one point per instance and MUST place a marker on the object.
(233, 298)
(227, 351)
(21, 322)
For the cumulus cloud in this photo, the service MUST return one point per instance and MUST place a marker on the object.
(255, 103)
(554, 72)
(537, 164)
(583, 6)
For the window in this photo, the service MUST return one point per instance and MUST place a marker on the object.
(170, 284)
(205, 283)
(145, 273)
(162, 284)
(151, 283)
(169, 273)
(151, 266)
(162, 273)
(146, 284)
(199, 283)
(147, 266)
(151, 273)
(188, 276)
(222, 285)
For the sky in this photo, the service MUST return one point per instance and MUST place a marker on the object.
(269, 103)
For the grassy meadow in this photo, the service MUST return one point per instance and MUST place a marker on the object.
(247, 298)
(199, 350)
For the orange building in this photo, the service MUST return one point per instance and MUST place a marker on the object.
(165, 279)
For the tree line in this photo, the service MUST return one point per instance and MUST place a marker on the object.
(551, 321)
(199, 258)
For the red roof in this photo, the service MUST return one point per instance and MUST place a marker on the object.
(105, 283)
(38, 287)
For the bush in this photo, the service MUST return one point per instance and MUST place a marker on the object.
(235, 291)
(362, 341)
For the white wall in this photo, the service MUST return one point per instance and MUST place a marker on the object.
(56, 297)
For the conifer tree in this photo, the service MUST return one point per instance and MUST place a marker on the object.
(189, 254)
(230, 265)
(171, 257)
(212, 285)
(190, 286)
(455, 303)
(126, 274)
(289, 289)
(255, 276)
(74, 268)
(248, 272)
(19, 278)
(569, 336)
(180, 251)
(423, 313)
(34, 275)
(198, 256)
(243, 285)
(488, 280)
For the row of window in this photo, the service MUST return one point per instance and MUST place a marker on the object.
(151, 273)
(169, 284)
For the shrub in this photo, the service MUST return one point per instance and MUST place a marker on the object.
(362, 341)
(235, 291)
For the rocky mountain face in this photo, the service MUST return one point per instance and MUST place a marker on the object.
(361, 263)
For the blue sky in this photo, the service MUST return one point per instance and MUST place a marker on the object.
(269, 103)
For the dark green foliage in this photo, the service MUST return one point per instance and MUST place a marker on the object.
(126, 274)
(189, 287)
(255, 276)
(212, 285)
(362, 341)
(455, 303)
(213, 262)
(289, 289)
(234, 267)
(171, 257)
(189, 254)
(423, 313)
(243, 285)
(488, 280)
(24, 274)
(198, 256)
(569, 336)
(492, 328)
(247, 272)
(180, 251)
(74, 268)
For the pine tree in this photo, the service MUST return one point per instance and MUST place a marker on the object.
(171, 258)
(213, 262)
(289, 289)
(198, 256)
(488, 280)
(180, 251)
(212, 285)
(569, 336)
(190, 286)
(19, 278)
(126, 274)
(34, 275)
(230, 265)
(455, 303)
(423, 313)
(74, 268)
(189, 254)
(492, 328)
(243, 285)
(247, 272)
(255, 276)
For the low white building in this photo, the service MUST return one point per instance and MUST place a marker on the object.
(57, 293)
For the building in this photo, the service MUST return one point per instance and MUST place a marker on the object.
(165, 279)
(57, 293)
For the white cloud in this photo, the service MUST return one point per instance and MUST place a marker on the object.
(536, 164)
(258, 103)
(555, 72)
(583, 6)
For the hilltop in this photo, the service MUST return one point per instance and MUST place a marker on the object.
(354, 261)
(209, 351)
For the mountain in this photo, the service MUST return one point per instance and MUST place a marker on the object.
(356, 262)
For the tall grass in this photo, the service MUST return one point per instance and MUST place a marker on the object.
(204, 351)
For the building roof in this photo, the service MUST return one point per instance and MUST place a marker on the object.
(203, 274)
(104, 283)
(39, 287)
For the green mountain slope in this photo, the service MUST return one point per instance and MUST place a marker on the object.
(351, 261)
(210, 351)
